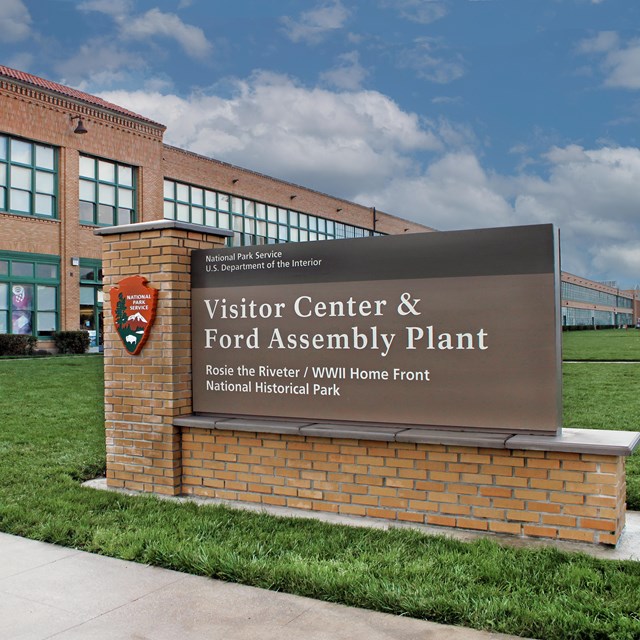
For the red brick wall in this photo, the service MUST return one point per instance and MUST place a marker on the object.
(567, 496)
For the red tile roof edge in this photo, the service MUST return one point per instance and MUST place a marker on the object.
(74, 94)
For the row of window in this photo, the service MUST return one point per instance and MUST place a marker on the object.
(28, 179)
(252, 222)
(29, 291)
(578, 293)
(572, 317)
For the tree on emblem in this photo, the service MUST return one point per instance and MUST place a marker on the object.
(121, 311)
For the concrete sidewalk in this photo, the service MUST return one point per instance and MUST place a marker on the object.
(48, 591)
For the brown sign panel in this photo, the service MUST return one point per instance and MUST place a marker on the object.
(452, 330)
(133, 307)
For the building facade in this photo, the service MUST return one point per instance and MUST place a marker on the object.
(597, 305)
(71, 162)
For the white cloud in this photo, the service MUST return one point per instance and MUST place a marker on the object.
(15, 21)
(339, 142)
(156, 23)
(425, 59)
(619, 62)
(315, 25)
(420, 11)
(349, 74)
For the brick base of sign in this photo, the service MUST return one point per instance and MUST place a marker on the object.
(560, 495)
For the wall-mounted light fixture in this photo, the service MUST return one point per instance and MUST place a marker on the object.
(80, 128)
(338, 210)
(75, 262)
(235, 180)
(293, 197)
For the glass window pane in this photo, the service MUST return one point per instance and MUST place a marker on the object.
(293, 235)
(304, 235)
(87, 295)
(125, 176)
(197, 196)
(3, 148)
(87, 273)
(47, 298)
(182, 191)
(106, 171)
(293, 218)
(282, 232)
(44, 157)
(4, 298)
(249, 225)
(21, 322)
(249, 208)
(106, 214)
(44, 205)
(3, 174)
(4, 325)
(272, 214)
(210, 199)
(3, 198)
(331, 227)
(223, 221)
(282, 216)
(236, 205)
(261, 211)
(22, 269)
(223, 202)
(183, 212)
(125, 198)
(87, 167)
(46, 322)
(261, 228)
(106, 194)
(44, 182)
(22, 296)
(4, 270)
(169, 210)
(87, 191)
(210, 219)
(197, 215)
(313, 235)
(87, 212)
(313, 223)
(169, 189)
(20, 152)
(21, 178)
(125, 216)
(20, 201)
(304, 221)
(272, 230)
(237, 223)
(322, 225)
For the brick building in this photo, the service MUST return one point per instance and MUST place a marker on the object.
(71, 162)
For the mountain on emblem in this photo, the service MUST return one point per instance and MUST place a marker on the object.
(133, 307)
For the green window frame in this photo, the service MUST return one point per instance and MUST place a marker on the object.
(252, 222)
(28, 178)
(108, 192)
(29, 293)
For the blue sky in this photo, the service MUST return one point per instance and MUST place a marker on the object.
(454, 113)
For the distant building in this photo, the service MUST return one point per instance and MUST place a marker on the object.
(586, 303)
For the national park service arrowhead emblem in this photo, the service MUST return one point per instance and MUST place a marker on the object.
(133, 306)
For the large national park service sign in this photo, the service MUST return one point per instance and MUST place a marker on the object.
(133, 307)
(454, 330)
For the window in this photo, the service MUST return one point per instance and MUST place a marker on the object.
(91, 301)
(107, 192)
(252, 223)
(28, 178)
(29, 287)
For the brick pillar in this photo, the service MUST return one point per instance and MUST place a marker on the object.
(144, 393)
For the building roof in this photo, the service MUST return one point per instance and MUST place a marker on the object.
(69, 92)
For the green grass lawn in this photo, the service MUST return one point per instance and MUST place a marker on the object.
(606, 344)
(51, 437)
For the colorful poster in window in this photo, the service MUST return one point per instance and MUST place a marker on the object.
(21, 302)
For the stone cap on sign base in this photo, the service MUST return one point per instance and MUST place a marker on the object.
(156, 225)
(608, 443)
